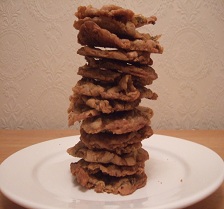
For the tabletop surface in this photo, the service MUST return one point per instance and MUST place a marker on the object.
(14, 140)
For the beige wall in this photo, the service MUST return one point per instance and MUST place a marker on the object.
(38, 62)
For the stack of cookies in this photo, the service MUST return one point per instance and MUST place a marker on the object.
(106, 99)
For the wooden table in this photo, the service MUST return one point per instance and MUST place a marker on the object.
(14, 140)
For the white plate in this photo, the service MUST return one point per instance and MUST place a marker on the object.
(180, 173)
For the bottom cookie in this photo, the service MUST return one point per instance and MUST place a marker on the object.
(105, 183)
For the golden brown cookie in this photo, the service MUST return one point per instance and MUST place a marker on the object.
(141, 57)
(104, 38)
(103, 156)
(110, 169)
(114, 142)
(143, 74)
(118, 122)
(101, 182)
